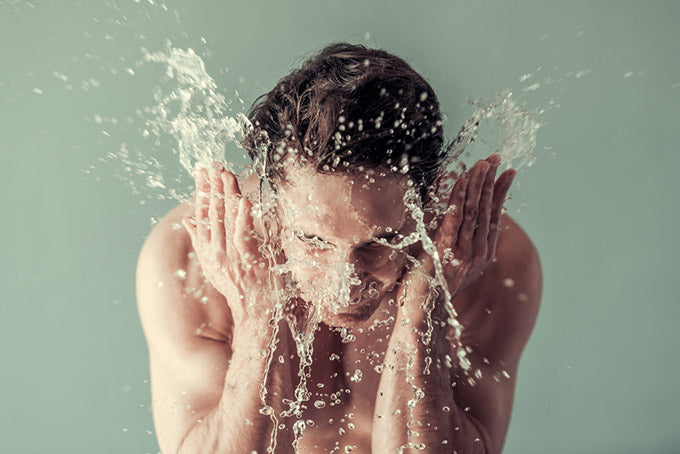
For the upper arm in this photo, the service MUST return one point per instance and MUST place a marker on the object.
(497, 335)
(187, 370)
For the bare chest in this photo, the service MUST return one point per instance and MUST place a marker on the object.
(339, 414)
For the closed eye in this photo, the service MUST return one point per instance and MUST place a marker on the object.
(382, 240)
(313, 240)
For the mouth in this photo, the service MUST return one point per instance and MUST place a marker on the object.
(350, 316)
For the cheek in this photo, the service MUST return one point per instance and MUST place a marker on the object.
(306, 272)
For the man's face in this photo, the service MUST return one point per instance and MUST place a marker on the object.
(332, 227)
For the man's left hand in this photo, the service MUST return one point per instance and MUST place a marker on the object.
(467, 234)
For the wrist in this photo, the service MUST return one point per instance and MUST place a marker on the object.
(247, 335)
(423, 313)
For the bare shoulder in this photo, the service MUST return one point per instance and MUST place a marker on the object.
(171, 291)
(185, 324)
(517, 270)
(499, 312)
(163, 261)
(506, 298)
(515, 287)
(168, 245)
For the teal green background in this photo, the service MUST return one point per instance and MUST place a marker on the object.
(600, 372)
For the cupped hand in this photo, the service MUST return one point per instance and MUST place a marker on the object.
(467, 234)
(223, 237)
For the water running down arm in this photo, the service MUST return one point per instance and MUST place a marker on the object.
(206, 391)
(223, 236)
(416, 404)
(235, 424)
(202, 394)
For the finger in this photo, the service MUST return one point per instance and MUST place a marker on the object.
(231, 187)
(244, 235)
(190, 227)
(216, 208)
(232, 194)
(494, 159)
(471, 207)
(444, 180)
(452, 220)
(202, 204)
(499, 193)
(481, 235)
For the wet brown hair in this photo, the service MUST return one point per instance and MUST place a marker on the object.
(348, 108)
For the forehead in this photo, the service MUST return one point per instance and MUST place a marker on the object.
(341, 204)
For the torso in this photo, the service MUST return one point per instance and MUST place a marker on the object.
(348, 423)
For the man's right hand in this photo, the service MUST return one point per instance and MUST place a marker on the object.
(223, 237)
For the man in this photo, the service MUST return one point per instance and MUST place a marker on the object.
(351, 146)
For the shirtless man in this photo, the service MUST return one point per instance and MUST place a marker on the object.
(208, 325)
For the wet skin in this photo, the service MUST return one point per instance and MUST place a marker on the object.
(192, 339)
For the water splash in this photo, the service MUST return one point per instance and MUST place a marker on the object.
(498, 126)
(195, 113)
(197, 116)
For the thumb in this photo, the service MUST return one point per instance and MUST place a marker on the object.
(189, 225)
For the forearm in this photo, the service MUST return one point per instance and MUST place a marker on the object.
(415, 406)
(237, 424)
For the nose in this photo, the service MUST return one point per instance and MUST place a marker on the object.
(366, 264)
(361, 261)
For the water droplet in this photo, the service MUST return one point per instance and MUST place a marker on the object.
(356, 377)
